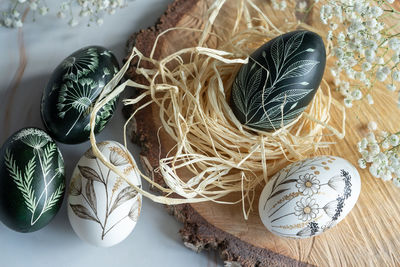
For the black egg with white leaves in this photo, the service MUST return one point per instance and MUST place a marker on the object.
(32, 181)
(279, 81)
(72, 91)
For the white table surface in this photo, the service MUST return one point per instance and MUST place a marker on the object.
(155, 240)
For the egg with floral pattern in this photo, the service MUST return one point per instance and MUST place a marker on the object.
(102, 207)
(308, 197)
(279, 81)
(32, 181)
(72, 91)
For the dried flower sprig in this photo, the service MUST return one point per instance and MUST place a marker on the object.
(381, 152)
(75, 11)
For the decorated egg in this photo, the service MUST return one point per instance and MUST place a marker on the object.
(279, 81)
(102, 207)
(72, 91)
(32, 182)
(308, 197)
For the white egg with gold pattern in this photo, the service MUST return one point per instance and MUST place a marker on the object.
(102, 207)
(308, 197)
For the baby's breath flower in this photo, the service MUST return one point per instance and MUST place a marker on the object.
(372, 126)
(94, 10)
(382, 154)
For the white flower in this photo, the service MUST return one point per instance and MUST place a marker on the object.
(99, 21)
(370, 99)
(391, 87)
(33, 5)
(8, 22)
(73, 22)
(372, 126)
(306, 209)
(356, 94)
(394, 140)
(397, 180)
(282, 5)
(308, 184)
(381, 76)
(385, 144)
(43, 11)
(393, 43)
(348, 102)
(386, 70)
(362, 163)
(371, 138)
(18, 23)
(16, 14)
(396, 75)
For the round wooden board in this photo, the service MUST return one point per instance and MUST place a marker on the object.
(368, 236)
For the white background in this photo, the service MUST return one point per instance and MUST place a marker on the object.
(155, 240)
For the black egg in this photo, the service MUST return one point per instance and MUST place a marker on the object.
(279, 81)
(72, 91)
(32, 181)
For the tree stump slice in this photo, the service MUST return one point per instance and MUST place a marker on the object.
(366, 237)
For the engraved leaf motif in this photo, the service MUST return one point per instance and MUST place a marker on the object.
(245, 89)
(277, 52)
(277, 193)
(75, 188)
(55, 197)
(90, 174)
(91, 195)
(135, 210)
(83, 213)
(292, 95)
(304, 232)
(294, 43)
(299, 68)
(126, 194)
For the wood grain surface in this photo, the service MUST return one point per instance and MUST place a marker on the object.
(368, 236)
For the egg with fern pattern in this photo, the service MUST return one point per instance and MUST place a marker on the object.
(102, 207)
(279, 81)
(72, 91)
(32, 182)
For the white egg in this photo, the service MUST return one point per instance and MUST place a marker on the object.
(308, 197)
(102, 208)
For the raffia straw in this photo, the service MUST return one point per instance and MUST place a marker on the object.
(192, 97)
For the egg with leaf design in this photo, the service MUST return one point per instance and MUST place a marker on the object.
(32, 181)
(102, 207)
(279, 81)
(308, 197)
(72, 91)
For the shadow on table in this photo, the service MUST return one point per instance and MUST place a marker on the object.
(21, 107)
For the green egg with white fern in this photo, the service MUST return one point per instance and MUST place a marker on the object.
(32, 180)
(72, 91)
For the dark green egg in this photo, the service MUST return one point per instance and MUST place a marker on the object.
(72, 91)
(279, 81)
(32, 180)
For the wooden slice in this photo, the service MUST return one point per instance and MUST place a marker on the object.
(368, 236)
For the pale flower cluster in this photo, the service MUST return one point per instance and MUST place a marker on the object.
(365, 50)
(74, 11)
(381, 153)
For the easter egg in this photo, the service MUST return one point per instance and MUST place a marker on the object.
(279, 81)
(72, 91)
(102, 207)
(32, 182)
(309, 197)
